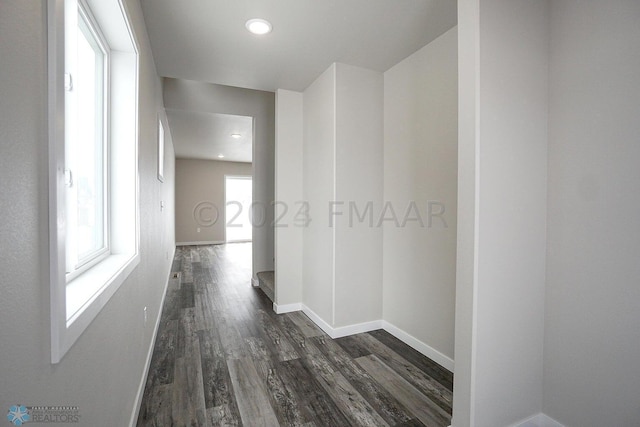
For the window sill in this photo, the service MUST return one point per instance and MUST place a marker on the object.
(89, 292)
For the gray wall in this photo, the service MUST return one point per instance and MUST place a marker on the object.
(547, 308)
(468, 27)
(592, 314)
(502, 204)
(101, 373)
(512, 162)
(420, 165)
(200, 181)
(204, 97)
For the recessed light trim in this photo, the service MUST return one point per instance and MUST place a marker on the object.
(221, 156)
(259, 26)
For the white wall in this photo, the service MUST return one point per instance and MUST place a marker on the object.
(507, 156)
(465, 341)
(342, 160)
(288, 187)
(358, 180)
(318, 269)
(101, 373)
(592, 333)
(199, 181)
(205, 97)
(420, 165)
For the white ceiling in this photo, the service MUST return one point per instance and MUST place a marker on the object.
(206, 41)
(198, 135)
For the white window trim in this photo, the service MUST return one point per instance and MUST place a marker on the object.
(84, 264)
(75, 305)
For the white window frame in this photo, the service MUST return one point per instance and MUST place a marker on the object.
(75, 304)
(78, 265)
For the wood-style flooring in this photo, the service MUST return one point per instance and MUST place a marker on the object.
(222, 357)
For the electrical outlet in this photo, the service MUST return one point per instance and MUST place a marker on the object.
(198, 229)
(145, 315)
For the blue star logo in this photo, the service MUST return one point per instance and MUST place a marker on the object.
(18, 415)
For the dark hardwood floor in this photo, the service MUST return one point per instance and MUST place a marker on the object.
(222, 357)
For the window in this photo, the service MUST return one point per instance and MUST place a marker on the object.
(86, 144)
(160, 150)
(238, 204)
(93, 176)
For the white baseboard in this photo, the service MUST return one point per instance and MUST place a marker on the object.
(317, 320)
(286, 308)
(147, 363)
(200, 243)
(359, 328)
(342, 331)
(540, 420)
(345, 331)
(418, 345)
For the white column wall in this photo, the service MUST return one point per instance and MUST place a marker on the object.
(509, 164)
(342, 262)
(358, 181)
(289, 195)
(318, 189)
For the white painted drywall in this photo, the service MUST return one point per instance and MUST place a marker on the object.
(465, 342)
(509, 162)
(358, 181)
(205, 97)
(318, 256)
(101, 373)
(420, 165)
(342, 164)
(197, 182)
(288, 177)
(592, 316)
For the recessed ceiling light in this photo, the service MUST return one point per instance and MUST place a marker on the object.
(258, 26)
(235, 135)
(220, 156)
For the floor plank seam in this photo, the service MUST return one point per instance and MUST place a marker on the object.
(222, 356)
